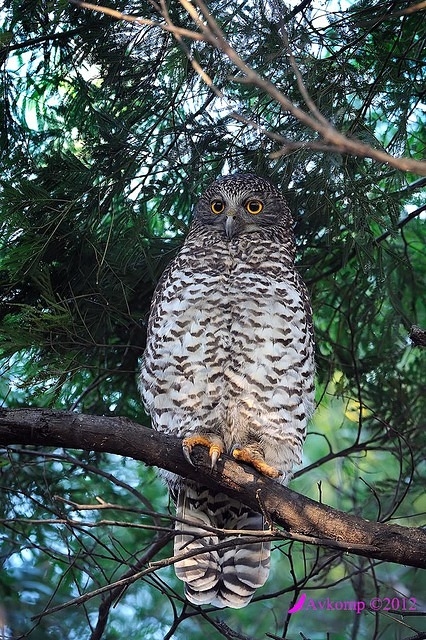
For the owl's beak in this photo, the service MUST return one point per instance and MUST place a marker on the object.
(230, 225)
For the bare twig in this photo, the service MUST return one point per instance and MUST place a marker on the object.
(141, 21)
(420, 6)
(116, 592)
(214, 35)
(209, 31)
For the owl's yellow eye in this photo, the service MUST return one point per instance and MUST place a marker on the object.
(254, 206)
(217, 206)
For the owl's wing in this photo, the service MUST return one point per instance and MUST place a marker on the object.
(224, 577)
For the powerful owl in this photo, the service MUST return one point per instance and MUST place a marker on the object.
(229, 365)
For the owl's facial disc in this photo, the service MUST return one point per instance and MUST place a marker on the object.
(235, 217)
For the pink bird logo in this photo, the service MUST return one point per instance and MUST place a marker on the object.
(299, 604)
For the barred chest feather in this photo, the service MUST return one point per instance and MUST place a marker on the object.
(230, 347)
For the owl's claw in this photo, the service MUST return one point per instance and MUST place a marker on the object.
(214, 453)
(211, 441)
(187, 454)
(253, 457)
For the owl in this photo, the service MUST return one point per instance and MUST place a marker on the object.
(229, 365)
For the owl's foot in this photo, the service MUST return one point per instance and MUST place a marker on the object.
(213, 442)
(253, 457)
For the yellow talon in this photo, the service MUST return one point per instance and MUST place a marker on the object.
(212, 442)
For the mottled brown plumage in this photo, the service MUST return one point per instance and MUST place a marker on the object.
(229, 364)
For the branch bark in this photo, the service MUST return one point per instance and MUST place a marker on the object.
(302, 517)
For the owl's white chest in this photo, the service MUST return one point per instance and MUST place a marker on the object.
(230, 342)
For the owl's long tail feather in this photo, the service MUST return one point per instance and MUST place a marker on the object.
(226, 577)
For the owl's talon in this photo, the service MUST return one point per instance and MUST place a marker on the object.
(211, 441)
(256, 460)
(214, 453)
(187, 454)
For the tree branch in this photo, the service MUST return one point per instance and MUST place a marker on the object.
(137, 20)
(331, 139)
(32, 42)
(302, 517)
(213, 34)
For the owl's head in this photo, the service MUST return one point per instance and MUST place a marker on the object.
(242, 203)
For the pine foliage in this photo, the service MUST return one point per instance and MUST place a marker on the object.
(108, 135)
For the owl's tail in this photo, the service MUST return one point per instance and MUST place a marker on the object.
(224, 577)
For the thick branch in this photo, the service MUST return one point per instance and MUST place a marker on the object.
(296, 513)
